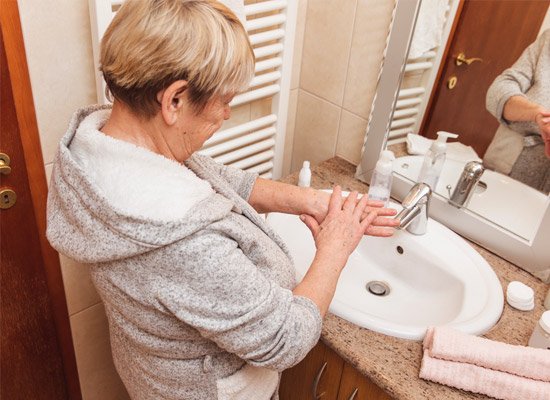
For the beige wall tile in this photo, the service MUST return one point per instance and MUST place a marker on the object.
(260, 108)
(239, 115)
(327, 43)
(351, 135)
(289, 137)
(316, 130)
(79, 289)
(98, 377)
(372, 22)
(59, 53)
(298, 44)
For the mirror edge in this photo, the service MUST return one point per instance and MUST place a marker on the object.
(389, 81)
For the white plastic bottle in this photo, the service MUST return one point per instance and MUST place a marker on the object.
(380, 183)
(304, 178)
(434, 160)
(541, 334)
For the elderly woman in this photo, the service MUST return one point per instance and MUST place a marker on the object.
(199, 291)
(520, 99)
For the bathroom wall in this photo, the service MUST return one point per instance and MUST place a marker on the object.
(340, 51)
(59, 54)
(328, 112)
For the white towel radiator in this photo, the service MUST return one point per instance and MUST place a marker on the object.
(256, 145)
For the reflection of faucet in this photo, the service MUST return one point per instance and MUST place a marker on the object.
(466, 184)
(414, 215)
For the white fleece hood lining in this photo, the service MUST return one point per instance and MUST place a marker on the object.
(133, 179)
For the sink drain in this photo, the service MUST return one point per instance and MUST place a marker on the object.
(378, 288)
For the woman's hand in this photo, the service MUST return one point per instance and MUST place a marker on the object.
(345, 223)
(543, 121)
(381, 226)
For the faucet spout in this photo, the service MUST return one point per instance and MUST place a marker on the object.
(466, 184)
(414, 216)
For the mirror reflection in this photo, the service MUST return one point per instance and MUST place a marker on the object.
(479, 70)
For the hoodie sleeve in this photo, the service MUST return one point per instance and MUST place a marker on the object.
(516, 81)
(240, 181)
(223, 295)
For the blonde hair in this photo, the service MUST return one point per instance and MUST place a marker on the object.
(152, 43)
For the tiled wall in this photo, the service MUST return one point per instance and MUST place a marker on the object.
(59, 54)
(329, 103)
(340, 57)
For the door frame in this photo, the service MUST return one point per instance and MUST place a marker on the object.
(10, 25)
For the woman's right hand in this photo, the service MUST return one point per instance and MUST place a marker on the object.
(543, 121)
(342, 229)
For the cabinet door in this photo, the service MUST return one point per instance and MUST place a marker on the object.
(354, 386)
(317, 375)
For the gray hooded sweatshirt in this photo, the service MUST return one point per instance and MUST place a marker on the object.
(189, 301)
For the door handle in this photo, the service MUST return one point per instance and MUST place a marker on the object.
(352, 397)
(461, 59)
(5, 168)
(316, 382)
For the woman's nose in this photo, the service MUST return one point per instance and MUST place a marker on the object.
(227, 112)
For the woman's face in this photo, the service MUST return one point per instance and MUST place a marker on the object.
(198, 128)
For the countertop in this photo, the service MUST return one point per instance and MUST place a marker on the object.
(392, 363)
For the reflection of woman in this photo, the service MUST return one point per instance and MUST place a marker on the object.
(199, 292)
(520, 99)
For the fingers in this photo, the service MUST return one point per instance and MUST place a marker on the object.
(350, 202)
(379, 231)
(367, 221)
(383, 221)
(375, 203)
(361, 207)
(311, 223)
(383, 212)
(335, 203)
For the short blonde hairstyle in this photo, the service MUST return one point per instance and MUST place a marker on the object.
(152, 43)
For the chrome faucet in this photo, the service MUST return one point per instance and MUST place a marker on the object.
(414, 216)
(466, 184)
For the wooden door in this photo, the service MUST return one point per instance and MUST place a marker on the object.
(309, 376)
(36, 354)
(497, 32)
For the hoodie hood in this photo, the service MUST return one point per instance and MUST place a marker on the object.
(85, 225)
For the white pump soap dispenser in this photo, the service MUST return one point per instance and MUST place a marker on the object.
(380, 183)
(434, 160)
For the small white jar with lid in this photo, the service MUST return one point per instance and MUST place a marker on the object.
(520, 296)
(540, 337)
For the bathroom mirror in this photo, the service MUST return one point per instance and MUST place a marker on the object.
(435, 77)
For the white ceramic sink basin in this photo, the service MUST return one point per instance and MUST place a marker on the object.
(496, 199)
(434, 279)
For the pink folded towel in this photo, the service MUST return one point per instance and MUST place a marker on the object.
(481, 365)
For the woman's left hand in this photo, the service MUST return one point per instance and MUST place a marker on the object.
(381, 226)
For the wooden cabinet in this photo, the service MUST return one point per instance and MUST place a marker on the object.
(324, 375)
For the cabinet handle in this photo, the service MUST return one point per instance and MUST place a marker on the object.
(316, 382)
(353, 394)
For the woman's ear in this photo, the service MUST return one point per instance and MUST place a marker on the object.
(172, 100)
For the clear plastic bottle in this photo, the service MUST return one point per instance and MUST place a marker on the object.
(540, 337)
(380, 183)
(434, 160)
(304, 177)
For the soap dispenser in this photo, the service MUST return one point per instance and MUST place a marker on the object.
(434, 160)
(380, 184)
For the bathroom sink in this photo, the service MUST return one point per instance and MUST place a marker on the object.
(400, 286)
(494, 188)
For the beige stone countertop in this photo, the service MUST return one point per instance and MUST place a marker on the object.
(392, 363)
